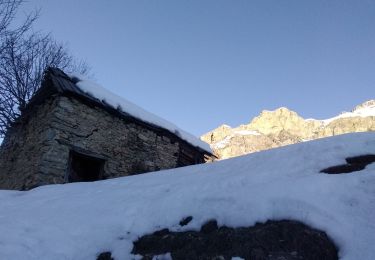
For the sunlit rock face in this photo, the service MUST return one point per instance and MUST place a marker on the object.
(283, 127)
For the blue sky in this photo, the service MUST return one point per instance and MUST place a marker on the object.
(203, 63)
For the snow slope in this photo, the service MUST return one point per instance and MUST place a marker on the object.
(77, 221)
(364, 110)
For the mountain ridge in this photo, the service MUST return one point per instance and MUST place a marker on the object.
(282, 126)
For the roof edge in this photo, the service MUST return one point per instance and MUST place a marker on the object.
(57, 81)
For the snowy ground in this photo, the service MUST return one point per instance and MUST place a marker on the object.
(77, 221)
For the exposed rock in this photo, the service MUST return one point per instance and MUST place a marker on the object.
(272, 240)
(357, 163)
(105, 256)
(186, 221)
(283, 127)
(209, 227)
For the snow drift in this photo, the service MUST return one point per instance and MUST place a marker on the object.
(80, 220)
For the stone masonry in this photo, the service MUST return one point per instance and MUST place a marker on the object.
(37, 149)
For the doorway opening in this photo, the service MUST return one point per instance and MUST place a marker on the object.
(84, 168)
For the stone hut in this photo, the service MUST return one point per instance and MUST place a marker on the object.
(74, 130)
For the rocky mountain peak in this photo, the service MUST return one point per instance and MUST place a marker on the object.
(279, 119)
(283, 126)
(278, 112)
(224, 126)
(370, 104)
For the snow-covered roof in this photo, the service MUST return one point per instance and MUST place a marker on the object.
(95, 92)
(80, 220)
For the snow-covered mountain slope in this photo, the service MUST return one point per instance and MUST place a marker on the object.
(78, 221)
(366, 109)
(283, 127)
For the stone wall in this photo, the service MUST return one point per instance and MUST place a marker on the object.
(22, 149)
(37, 152)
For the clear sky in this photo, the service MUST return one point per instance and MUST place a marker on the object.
(203, 63)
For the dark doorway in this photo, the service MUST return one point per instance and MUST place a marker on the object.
(83, 167)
